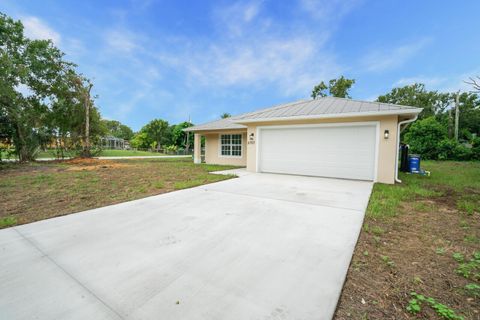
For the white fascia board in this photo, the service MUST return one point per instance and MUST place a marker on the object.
(334, 115)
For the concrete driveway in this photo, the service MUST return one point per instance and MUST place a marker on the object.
(261, 246)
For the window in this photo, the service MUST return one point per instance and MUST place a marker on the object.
(231, 145)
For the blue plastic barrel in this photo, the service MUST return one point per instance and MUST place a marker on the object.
(414, 163)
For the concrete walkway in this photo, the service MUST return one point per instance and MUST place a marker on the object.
(261, 246)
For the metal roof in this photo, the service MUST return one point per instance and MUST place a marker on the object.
(327, 107)
(217, 125)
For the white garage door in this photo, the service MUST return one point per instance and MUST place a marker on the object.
(340, 151)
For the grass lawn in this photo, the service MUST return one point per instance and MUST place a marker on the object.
(420, 236)
(41, 190)
(103, 153)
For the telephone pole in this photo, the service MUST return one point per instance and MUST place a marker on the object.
(457, 114)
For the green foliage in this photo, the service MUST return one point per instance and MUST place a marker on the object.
(457, 256)
(336, 87)
(181, 138)
(415, 306)
(42, 97)
(473, 289)
(157, 132)
(117, 129)
(141, 140)
(7, 222)
(425, 136)
(340, 87)
(388, 261)
(449, 149)
(468, 269)
(225, 115)
(416, 95)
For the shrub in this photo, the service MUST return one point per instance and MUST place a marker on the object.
(425, 136)
(449, 149)
(476, 148)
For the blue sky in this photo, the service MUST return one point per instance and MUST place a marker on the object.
(179, 59)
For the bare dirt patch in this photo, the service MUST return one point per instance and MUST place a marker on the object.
(412, 252)
(93, 164)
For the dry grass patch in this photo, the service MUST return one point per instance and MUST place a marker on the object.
(32, 192)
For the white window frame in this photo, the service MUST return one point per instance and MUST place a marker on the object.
(220, 145)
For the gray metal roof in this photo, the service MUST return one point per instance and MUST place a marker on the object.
(327, 107)
(217, 125)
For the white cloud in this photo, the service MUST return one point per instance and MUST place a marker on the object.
(121, 40)
(37, 29)
(428, 81)
(380, 59)
(444, 83)
(237, 17)
(252, 50)
(328, 10)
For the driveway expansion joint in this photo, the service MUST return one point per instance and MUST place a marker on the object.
(285, 200)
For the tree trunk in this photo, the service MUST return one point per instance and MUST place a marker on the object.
(457, 115)
(86, 149)
(21, 145)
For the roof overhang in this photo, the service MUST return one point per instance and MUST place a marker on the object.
(405, 112)
(192, 129)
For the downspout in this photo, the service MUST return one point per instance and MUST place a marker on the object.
(398, 144)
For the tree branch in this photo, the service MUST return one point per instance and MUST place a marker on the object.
(475, 83)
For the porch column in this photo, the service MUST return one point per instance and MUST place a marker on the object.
(197, 149)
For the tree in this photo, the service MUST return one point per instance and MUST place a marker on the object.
(340, 87)
(425, 136)
(157, 130)
(117, 129)
(336, 87)
(475, 83)
(181, 138)
(415, 95)
(141, 141)
(42, 98)
(225, 115)
(29, 72)
(319, 91)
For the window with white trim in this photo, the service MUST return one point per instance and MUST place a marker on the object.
(231, 145)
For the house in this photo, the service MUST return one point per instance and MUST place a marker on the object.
(326, 137)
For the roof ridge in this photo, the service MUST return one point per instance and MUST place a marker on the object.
(375, 102)
(275, 107)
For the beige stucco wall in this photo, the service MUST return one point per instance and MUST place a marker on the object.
(386, 147)
(212, 148)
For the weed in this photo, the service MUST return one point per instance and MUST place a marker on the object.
(423, 206)
(415, 306)
(468, 269)
(471, 238)
(472, 289)
(417, 280)
(365, 253)
(377, 230)
(457, 256)
(7, 222)
(388, 261)
(464, 225)
(440, 251)
(159, 184)
(366, 228)
(466, 206)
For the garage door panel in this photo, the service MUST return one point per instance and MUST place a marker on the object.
(340, 151)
